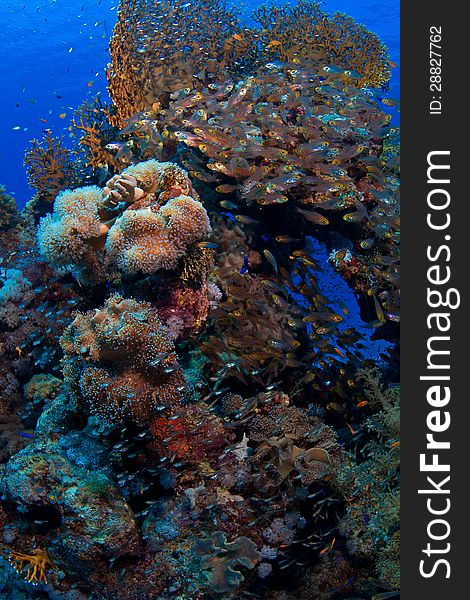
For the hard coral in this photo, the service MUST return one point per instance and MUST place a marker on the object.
(158, 48)
(298, 33)
(122, 362)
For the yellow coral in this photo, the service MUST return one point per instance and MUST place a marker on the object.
(160, 47)
(36, 565)
(303, 33)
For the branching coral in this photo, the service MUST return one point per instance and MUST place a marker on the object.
(158, 48)
(91, 119)
(304, 32)
(121, 361)
(220, 560)
(49, 167)
(36, 565)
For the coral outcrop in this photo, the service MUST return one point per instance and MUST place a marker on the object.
(141, 222)
(93, 525)
(121, 362)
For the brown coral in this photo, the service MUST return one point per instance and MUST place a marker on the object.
(120, 359)
(303, 32)
(158, 48)
(144, 241)
(49, 167)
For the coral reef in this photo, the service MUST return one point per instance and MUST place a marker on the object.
(198, 399)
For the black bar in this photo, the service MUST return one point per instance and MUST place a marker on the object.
(432, 128)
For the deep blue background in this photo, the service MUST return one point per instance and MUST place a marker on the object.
(53, 54)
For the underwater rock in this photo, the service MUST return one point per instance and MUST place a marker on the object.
(95, 521)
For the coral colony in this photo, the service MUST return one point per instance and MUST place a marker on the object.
(199, 317)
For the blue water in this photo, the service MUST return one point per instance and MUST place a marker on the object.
(54, 54)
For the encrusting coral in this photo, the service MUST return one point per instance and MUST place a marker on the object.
(219, 560)
(122, 362)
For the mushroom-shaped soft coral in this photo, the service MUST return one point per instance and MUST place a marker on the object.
(121, 361)
(219, 560)
(144, 241)
(69, 237)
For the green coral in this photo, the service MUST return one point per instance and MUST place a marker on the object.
(371, 487)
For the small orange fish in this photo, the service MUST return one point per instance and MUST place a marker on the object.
(90, 83)
(62, 115)
(313, 217)
(361, 404)
(395, 444)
